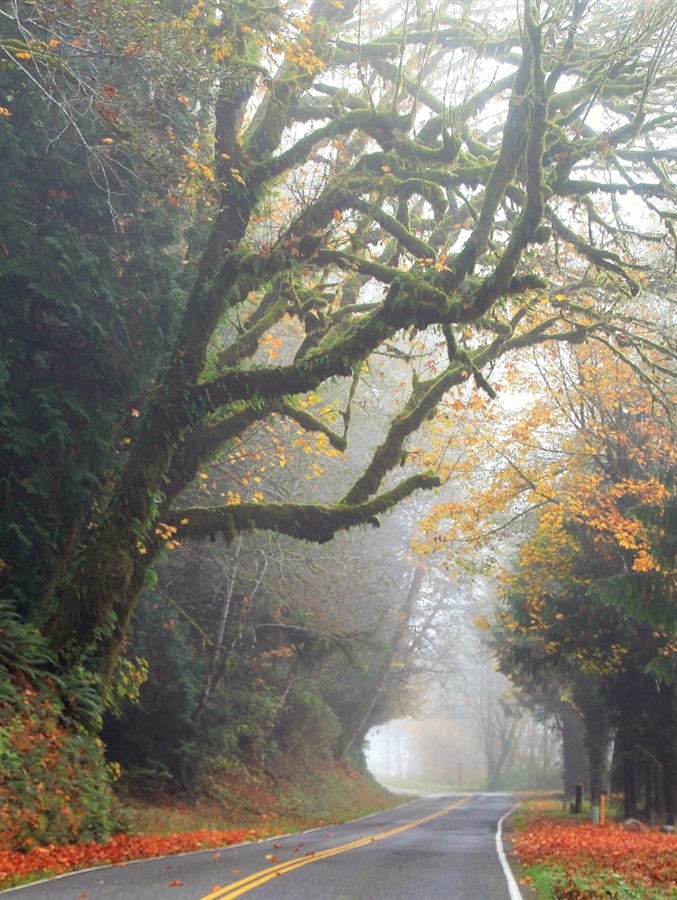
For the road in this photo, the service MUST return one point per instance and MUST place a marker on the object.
(436, 848)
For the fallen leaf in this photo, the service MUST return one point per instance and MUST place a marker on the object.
(216, 856)
(117, 851)
(175, 883)
(277, 846)
(271, 858)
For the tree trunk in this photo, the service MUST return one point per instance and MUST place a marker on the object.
(506, 752)
(573, 750)
(668, 748)
(630, 787)
(221, 630)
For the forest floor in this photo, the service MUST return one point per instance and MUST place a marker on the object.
(566, 857)
(243, 804)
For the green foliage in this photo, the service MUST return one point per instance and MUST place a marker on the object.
(55, 786)
(89, 292)
(23, 652)
(553, 883)
(153, 739)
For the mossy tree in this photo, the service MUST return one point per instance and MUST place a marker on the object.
(446, 176)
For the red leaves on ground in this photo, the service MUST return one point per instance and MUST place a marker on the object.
(648, 857)
(118, 851)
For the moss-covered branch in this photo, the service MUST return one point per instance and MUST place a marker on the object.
(409, 241)
(312, 423)
(271, 310)
(384, 128)
(524, 231)
(309, 522)
(425, 396)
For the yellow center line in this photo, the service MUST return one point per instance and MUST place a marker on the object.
(237, 888)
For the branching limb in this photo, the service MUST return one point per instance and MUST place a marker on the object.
(312, 423)
(308, 522)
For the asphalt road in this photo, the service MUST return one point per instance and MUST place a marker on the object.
(437, 848)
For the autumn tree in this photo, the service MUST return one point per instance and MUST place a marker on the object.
(585, 478)
(457, 170)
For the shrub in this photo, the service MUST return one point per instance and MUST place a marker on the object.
(55, 787)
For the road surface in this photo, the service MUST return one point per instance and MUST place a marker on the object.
(442, 847)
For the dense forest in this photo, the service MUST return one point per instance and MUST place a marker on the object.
(327, 329)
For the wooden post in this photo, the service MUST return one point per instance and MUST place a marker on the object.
(602, 809)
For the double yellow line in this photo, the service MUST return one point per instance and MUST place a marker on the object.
(237, 888)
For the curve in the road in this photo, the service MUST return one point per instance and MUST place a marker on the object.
(237, 888)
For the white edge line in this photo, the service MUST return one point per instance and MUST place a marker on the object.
(513, 888)
(131, 862)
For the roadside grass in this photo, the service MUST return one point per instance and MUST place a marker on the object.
(553, 883)
(565, 857)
